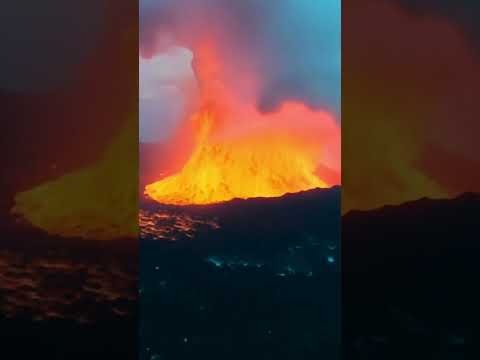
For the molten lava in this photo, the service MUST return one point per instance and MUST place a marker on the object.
(240, 152)
(270, 157)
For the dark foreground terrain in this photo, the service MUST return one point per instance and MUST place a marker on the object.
(66, 298)
(410, 280)
(248, 279)
(255, 279)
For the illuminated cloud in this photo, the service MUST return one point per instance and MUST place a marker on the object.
(165, 81)
(295, 45)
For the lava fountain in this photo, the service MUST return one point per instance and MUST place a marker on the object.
(241, 152)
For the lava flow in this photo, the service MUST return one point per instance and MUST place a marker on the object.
(240, 152)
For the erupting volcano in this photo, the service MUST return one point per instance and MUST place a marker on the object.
(262, 162)
(241, 152)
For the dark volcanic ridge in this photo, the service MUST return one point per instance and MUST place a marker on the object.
(438, 229)
(250, 273)
(409, 278)
(257, 226)
(250, 202)
(290, 235)
(425, 203)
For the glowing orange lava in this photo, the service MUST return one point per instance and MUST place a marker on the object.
(270, 157)
(240, 152)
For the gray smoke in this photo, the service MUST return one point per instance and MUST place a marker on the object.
(294, 44)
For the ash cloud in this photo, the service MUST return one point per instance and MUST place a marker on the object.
(294, 45)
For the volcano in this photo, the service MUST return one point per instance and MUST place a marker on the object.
(263, 162)
(238, 151)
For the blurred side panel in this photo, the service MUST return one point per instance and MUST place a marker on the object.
(411, 178)
(68, 184)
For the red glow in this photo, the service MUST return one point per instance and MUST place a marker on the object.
(239, 152)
